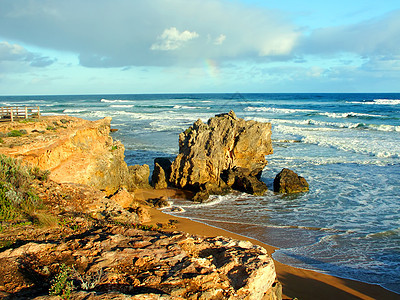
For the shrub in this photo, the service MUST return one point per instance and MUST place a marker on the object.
(15, 133)
(62, 284)
(17, 198)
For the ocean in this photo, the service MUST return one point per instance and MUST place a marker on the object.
(347, 146)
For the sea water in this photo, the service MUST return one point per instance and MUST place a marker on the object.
(347, 146)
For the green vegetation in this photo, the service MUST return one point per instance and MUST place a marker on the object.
(51, 128)
(16, 133)
(17, 198)
(29, 120)
(62, 285)
(113, 148)
(1, 141)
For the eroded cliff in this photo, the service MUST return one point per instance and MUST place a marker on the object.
(73, 149)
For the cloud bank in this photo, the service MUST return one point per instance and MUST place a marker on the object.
(148, 33)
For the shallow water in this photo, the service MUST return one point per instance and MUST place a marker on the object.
(347, 146)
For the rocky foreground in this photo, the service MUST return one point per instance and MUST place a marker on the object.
(91, 245)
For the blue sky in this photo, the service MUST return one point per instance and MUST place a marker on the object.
(180, 46)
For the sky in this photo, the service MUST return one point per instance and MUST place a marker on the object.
(198, 46)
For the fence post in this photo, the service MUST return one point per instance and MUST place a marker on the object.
(26, 112)
(12, 115)
(38, 112)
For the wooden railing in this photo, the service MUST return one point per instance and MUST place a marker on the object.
(10, 113)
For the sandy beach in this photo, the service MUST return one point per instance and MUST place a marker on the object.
(297, 283)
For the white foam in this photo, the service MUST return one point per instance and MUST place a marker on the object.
(113, 101)
(122, 105)
(377, 102)
(276, 110)
(71, 111)
(347, 115)
(189, 107)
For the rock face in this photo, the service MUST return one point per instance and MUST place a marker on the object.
(140, 176)
(136, 262)
(158, 179)
(73, 149)
(288, 182)
(161, 173)
(225, 143)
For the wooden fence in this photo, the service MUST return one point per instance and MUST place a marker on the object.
(10, 113)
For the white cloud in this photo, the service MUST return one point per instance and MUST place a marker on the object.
(18, 54)
(220, 39)
(9, 52)
(172, 39)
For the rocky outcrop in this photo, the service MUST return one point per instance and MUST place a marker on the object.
(140, 176)
(288, 182)
(225, 143)
(161, 173)
(73, 149)
(126, 262)
(158, 179)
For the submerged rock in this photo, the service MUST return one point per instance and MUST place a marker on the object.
(226, 142)
(288, 182)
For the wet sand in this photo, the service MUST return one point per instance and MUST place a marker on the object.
(297, 283)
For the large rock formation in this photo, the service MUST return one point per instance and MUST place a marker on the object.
(73, 149)
(226, 144)
(288, 182)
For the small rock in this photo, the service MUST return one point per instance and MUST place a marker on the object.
(288, 182)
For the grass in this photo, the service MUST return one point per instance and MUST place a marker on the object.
(16, 133)
(18, 200)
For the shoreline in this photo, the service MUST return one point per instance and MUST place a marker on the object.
(296, 283)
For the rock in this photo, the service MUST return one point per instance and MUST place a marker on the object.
(288, 182)
(159, 202)
(140, 176)
(165, 163)
(158, 179)
(226, 142)
(74, 150)
(250, 185)
(120, 263)
(123, 198)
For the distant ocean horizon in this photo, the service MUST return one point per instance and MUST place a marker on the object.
(346, 145)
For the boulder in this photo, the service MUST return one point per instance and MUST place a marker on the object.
(226, 142)
(288, 182)
(158, 179)
(165, 164)
(206, 150)
(123, 198)
(140, 176)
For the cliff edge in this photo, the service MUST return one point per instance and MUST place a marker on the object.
(72, 149)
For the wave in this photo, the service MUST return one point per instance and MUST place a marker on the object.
(348, 115)
(122, 105)
(276, 110)
(378, 127)
(113, 101)
(377, 102)
(77, 110)
(189, 107)
(384, 234)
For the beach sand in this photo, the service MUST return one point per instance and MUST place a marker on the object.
(297, 283)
